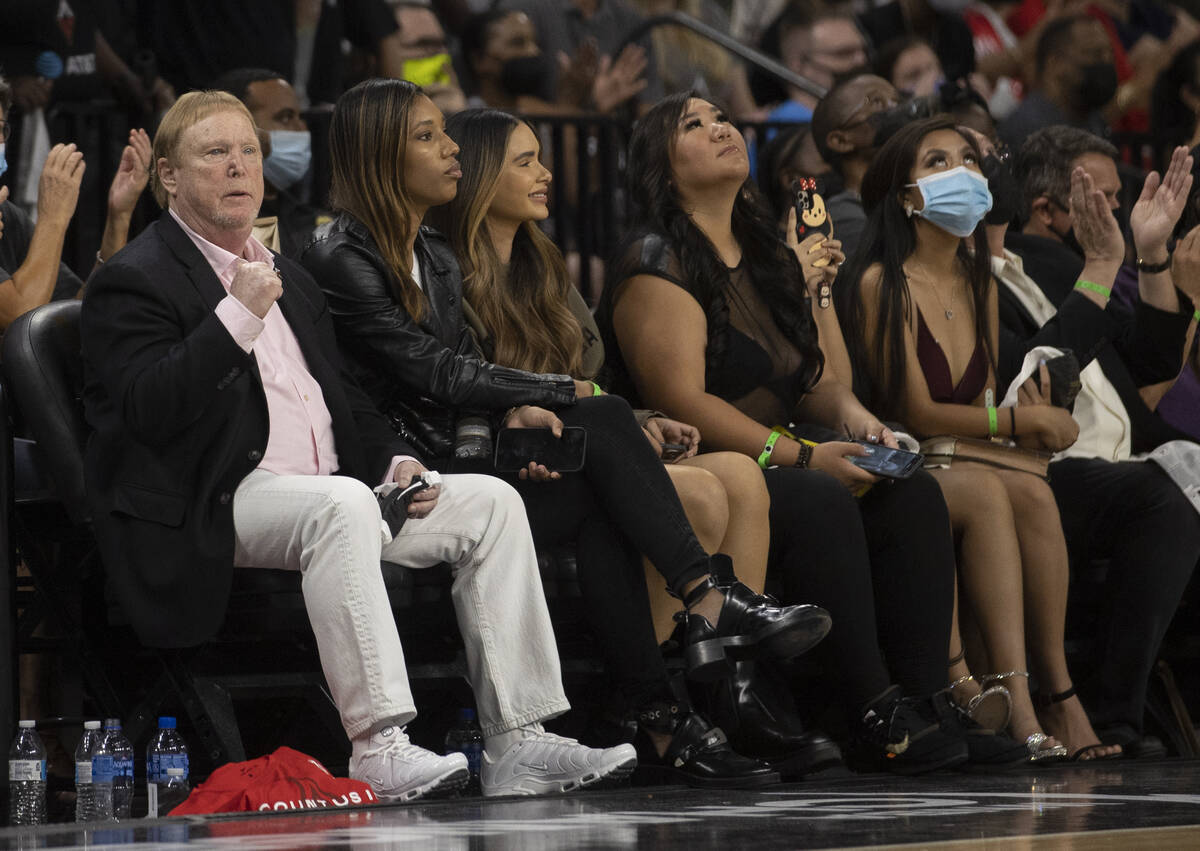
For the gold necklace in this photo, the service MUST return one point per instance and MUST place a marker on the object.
(949, 310)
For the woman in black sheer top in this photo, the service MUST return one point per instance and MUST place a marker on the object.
(739, 357)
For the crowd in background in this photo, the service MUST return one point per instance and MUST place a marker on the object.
(1024, 166)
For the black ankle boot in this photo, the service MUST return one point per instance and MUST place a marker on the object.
(761, 721)
(698, 753)
(905, 736)
(748, 624)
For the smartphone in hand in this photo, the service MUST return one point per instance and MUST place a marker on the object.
(517, 447)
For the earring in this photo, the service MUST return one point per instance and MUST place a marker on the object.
(908, 209)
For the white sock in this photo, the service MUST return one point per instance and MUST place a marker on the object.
(497, 746)
(363, 742)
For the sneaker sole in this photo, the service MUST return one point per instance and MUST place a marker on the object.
(530, 786)
(444, 785)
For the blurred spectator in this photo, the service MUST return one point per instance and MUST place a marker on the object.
(31, 267)
(285, 223)
(939, 22)
(195, 41)
(1175, 104)
(818, 43)
(420, 44)
(687, 61)
(505, 64)
(910, 65)
(1075, 79)
(586, 64)
(845, 135)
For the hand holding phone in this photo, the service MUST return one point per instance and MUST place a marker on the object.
(516, 448)
(887, 462)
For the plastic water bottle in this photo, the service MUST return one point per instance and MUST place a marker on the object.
(27, 776)
(102, 778)
(85, 799)
(122, 782)
(166, 750)
(466, 738)
(473, 439)
(174, 792)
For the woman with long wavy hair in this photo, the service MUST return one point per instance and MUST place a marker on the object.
(527, 315)
(921, 323)
(395, 292)
(704, 317)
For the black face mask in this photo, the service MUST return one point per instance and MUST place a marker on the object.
(1097, 85)
(526, 75)
(1006, 192)
(1068, 236)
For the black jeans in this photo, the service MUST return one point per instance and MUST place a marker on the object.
(1133, 515)
(622, 505)
(883, 566)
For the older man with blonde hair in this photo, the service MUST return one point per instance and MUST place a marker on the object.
(227, 433)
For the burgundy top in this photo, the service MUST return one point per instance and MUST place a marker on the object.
(937, 369)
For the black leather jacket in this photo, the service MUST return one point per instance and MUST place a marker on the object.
(422, 375)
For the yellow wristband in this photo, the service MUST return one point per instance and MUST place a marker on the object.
(1096, 288)
(596, 391)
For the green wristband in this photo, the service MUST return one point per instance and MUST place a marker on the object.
(1096, 288)
(1196, 316)
(764, 458)
(993, 429)
(596, 391)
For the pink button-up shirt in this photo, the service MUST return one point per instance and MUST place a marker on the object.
(301, 434)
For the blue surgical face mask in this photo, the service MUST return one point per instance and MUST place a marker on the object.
(955, 200)
(291, 153)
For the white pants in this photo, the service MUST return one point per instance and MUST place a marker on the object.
(329, 528)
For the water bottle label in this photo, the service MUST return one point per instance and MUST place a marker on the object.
(123, 767)
(83, 772)
(26, 769)
(102, 769)
(174, 760)
(473, 751)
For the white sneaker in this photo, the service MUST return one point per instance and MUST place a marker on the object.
(543, 763)
(398, 770)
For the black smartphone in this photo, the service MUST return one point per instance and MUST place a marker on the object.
(673, 451)
(887, 462)
(516, 447)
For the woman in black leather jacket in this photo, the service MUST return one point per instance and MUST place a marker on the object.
(396, 296)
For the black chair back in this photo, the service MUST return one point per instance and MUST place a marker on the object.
(44, 373)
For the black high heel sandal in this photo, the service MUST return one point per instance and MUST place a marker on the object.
(1045, 701)
(749, 624)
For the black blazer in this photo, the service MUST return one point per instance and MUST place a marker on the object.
(1134, 351)
(180, 418)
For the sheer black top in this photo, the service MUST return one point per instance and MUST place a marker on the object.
(762, 354)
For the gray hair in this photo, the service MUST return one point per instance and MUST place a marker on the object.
(1044, 162)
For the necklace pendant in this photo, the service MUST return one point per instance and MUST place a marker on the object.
(949, 314)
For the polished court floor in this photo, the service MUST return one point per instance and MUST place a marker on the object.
(1112, 806)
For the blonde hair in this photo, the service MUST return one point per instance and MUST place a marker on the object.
(368, 141)
(186, 112)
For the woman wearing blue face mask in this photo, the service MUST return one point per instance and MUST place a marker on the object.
(919, 312)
